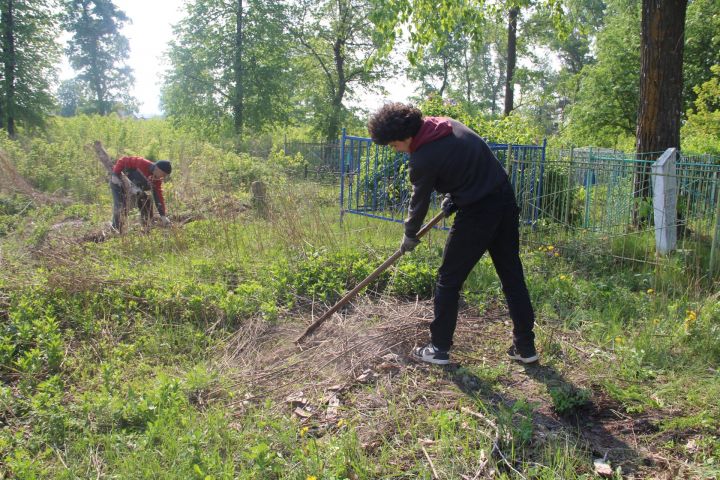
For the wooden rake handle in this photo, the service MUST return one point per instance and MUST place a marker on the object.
(351, 294)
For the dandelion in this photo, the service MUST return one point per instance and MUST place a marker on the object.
(562, 277)
(556, 254)
(650, 291)
(690, 318)
(311, 477)
(550, 248)
(304, 430)
(619, 340)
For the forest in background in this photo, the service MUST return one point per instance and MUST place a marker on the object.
(570, 71)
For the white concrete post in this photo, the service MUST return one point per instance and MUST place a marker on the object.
(664, 177)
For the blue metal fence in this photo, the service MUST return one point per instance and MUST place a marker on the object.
(374, 181)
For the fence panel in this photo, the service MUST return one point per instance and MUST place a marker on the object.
(583, 200)
(374, 180)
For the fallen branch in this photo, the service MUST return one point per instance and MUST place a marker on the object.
(435, 474)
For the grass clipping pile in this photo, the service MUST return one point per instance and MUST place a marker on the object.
(348, 348)
(368, 344)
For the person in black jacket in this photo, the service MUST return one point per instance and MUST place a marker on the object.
(450, 158)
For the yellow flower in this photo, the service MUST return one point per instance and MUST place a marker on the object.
(619, 340)
(304, 430)
(556, 254)
(311, 477)
(562, 277)
(650, 291)
(341, 422)
(550, 248)
(690, 318)
(656, 321)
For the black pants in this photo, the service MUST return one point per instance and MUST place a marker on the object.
(490, 225)
(119, 217)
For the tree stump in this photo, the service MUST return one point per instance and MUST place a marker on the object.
(259, 199)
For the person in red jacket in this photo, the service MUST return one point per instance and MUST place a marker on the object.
(450, 158)
(144, 176)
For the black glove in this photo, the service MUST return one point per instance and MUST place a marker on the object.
(409, 243)
(448, 207)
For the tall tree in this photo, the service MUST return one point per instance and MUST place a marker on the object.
(465, 71)
(98, 51)
(434, 69)
(338, 37)
(29, 53)
(229, 66)
(428, 21)
(73, 98)
(661, 82)
(511, 59)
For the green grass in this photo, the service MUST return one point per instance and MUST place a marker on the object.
(110, 352)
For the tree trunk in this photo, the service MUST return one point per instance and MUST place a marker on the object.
(661, 82)
(445, 74)
(9, 65)
(96, 83)
(468, 82)
(511, 58)
(238, 72)
(334, 123)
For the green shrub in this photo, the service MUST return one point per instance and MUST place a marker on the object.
(567, 398)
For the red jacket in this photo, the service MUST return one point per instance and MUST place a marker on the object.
(145, 167)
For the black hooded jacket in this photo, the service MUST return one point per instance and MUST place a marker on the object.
(453, 160)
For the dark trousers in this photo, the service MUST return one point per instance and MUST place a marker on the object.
(490, 225)
(119, 217)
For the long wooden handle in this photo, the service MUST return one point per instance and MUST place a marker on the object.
(349, 296)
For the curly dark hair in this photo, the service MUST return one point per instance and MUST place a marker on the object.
(394, 121)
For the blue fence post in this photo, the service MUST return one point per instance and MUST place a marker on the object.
(342, 175)
(587, 188)
(538, 202)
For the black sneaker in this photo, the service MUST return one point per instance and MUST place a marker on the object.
(528, 355)
(431, 354)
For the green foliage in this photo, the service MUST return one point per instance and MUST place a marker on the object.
(338, 57)
(702, 48)
(30, 54)
(605, 110)
(514, 128)
(701, 132)
(416, 277)
(98, 51)
(293, 165)
(216, 85)
(30, 341)
(567, 398)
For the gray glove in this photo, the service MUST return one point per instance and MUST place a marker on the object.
(409, 243)
(165, 221)
(115, 179)
(447, 206)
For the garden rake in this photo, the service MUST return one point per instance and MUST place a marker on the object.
(349, 296)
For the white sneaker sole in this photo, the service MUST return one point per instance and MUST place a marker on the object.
(434, 361)
(532, 359)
